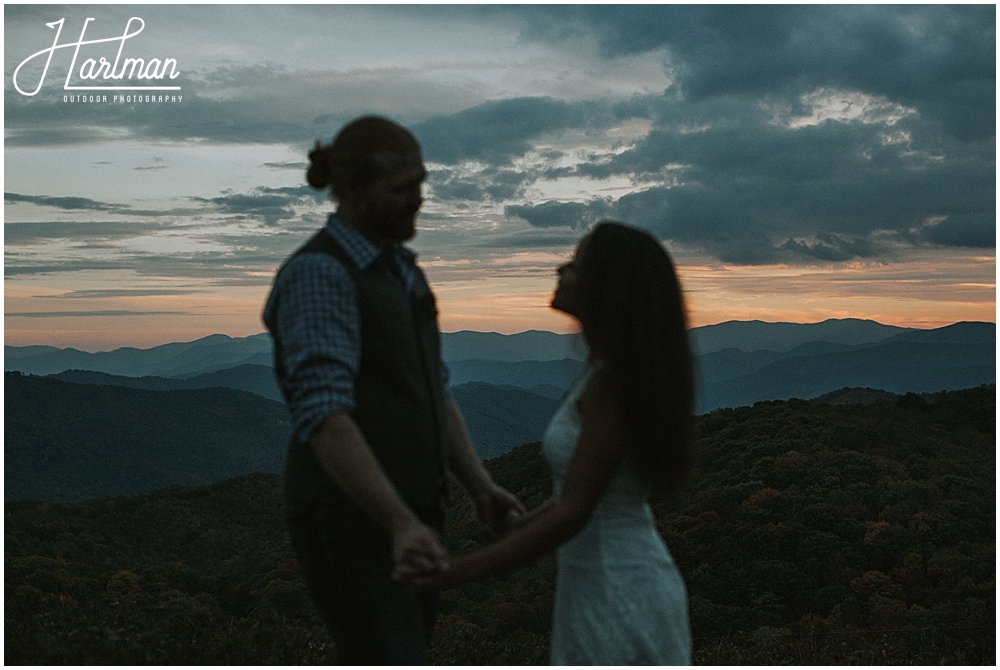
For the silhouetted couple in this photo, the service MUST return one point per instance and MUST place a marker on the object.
(357, 353)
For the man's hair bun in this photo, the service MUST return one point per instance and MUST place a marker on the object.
(319, 175)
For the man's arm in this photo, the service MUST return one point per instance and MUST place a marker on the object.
(493, 503)
(313, 313)
(347, 459)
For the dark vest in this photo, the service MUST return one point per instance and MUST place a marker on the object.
(399, 392)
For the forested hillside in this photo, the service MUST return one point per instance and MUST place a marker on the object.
(500, 418)
(810, 533)
(70, 442)
(85, 435)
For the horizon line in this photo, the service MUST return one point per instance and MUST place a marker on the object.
(493, 332)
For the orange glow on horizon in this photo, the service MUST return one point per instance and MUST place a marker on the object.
(937, 289)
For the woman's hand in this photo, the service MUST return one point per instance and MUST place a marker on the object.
(496, 508)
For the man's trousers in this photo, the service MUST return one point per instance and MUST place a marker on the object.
(346, 559)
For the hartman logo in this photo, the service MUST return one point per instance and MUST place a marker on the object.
(103, 67)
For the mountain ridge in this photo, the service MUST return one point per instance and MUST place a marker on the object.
(923, 361)
(180, 358)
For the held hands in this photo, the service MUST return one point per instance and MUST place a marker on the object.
(423, 563)
(498, 510)
(419, 556)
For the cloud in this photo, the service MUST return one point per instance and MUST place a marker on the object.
(266, 204)
(103, 312)
(576, 215)
(90, 294)
(964, 230)
(81, 204)
(500, 130)
(269, 205)
(940, 59)
(235, 103)
(15, 267)
(790, 133)
(70, 202)
(488, 184)
(512, 125)
(21, 233)
(752, 183)
(287, 165)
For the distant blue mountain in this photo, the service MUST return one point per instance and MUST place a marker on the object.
(963, 332)
(782, 337)
(257, 379)
(531, 345)
(739, 362)
(498, 418)
(163, 429)
(208, 354)
(959, 356)
(524, 374)
(219, 352)
(501, 418)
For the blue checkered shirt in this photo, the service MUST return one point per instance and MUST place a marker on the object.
(313, 313)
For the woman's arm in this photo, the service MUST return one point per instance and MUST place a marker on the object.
(599, 451)
(493, 503)
(516, 521)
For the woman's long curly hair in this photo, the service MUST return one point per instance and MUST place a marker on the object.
(633, 314)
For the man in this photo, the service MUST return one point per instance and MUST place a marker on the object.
(357, 354)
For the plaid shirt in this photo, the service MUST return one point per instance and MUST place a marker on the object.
(313, 312)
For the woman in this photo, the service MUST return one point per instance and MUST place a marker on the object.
(623, 429)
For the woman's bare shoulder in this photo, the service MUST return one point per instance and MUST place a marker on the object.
(598, 398)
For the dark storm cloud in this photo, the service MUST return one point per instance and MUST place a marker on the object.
(729, 172)
(80, 204)
(723, 168)
(270, 205)
(490, 184)
(499, 130)
(513, 124)
(749, 190)
(965, 230)
(526, 240)
(549, 214)
(14, 266)
(494, 133)
(70, 203)
(33, 232)
(940, 59)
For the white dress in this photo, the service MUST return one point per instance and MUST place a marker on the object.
(620, 599)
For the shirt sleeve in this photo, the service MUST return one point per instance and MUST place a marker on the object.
(314, 317)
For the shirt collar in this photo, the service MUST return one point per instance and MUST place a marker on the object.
(359, 248)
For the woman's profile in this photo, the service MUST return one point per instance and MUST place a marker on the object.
(624, 428)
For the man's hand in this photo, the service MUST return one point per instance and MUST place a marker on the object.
(497, 508)
(418, 554)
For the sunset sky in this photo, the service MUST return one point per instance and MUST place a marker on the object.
(800, 162)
